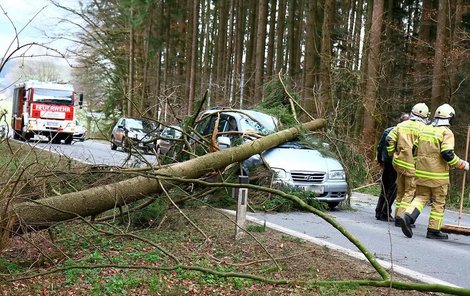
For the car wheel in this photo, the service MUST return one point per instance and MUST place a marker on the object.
(68, 140)
(113, 146)
(16, 135)
(125, 145)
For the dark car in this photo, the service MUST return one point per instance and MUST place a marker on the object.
(168, 137)
(137, 133)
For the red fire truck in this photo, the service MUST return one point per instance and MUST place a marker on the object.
(44, 110)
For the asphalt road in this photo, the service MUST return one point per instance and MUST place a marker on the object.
(98, 153)
(448, 261)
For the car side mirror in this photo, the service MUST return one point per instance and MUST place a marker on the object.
(224, 142)
(80, 100)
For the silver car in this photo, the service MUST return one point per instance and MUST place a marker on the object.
(80, 131)
(308, 169)
(294, 163)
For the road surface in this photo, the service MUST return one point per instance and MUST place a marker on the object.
(98, 153)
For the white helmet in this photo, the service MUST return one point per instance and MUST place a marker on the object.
(444, 111)
(421, 110)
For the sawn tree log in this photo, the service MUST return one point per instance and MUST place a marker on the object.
(93, 201)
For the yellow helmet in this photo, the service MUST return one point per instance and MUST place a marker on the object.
(421, 110)
(444, 111)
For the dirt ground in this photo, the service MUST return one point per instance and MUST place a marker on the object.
(128, 265)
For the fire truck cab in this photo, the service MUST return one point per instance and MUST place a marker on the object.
(44, 110)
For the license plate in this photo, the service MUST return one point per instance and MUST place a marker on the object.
(52, 124)
(318, 189)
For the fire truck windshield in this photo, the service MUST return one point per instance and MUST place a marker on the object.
(53, 96)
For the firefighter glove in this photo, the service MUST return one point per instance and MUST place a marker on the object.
(463, 165)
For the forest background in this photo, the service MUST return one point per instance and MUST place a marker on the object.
(357, 63)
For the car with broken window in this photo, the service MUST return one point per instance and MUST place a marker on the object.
(295, 164)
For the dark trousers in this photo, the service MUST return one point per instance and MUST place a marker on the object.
(388, 191)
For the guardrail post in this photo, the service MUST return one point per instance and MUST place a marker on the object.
(242, 201)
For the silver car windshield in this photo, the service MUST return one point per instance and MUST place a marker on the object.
(249, 124)
(262, 123)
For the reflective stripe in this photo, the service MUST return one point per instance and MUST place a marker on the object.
(390, 148)
(454, 160)
(410, 130)
(429, 139)
(428, 133)
(445, 147)
(404, 164)
(437, 214)
(419, 206)
(404, 204)
(431, 175)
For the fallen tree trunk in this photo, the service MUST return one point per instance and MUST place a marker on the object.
(93, 201)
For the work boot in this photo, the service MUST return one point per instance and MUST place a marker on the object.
(397, 221)
(436, 234)
(398, 224)
(386, 218)
(405, 224)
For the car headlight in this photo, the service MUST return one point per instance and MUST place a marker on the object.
(132, 135)
(337, 175)
(280, 173)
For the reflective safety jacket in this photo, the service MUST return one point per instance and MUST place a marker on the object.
(400, 145)
(434, 155)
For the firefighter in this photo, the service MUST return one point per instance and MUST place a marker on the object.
(388, 179)
(434, 155)
(400, 145)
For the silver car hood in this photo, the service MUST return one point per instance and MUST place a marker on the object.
(291, 159)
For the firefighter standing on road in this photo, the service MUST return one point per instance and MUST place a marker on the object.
(435, 153)
(388, 179)
(400, 145)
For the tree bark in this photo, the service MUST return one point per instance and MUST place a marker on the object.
(372, 76)
(456, 57)
(357, 36)
(311, 58)
(280, 48)
(325, 62)
(423, 54)
(238, 54)
(130, 90)
(260, 48)
(96, 200)
(438, 75)
(192, 72)
(271, 39)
